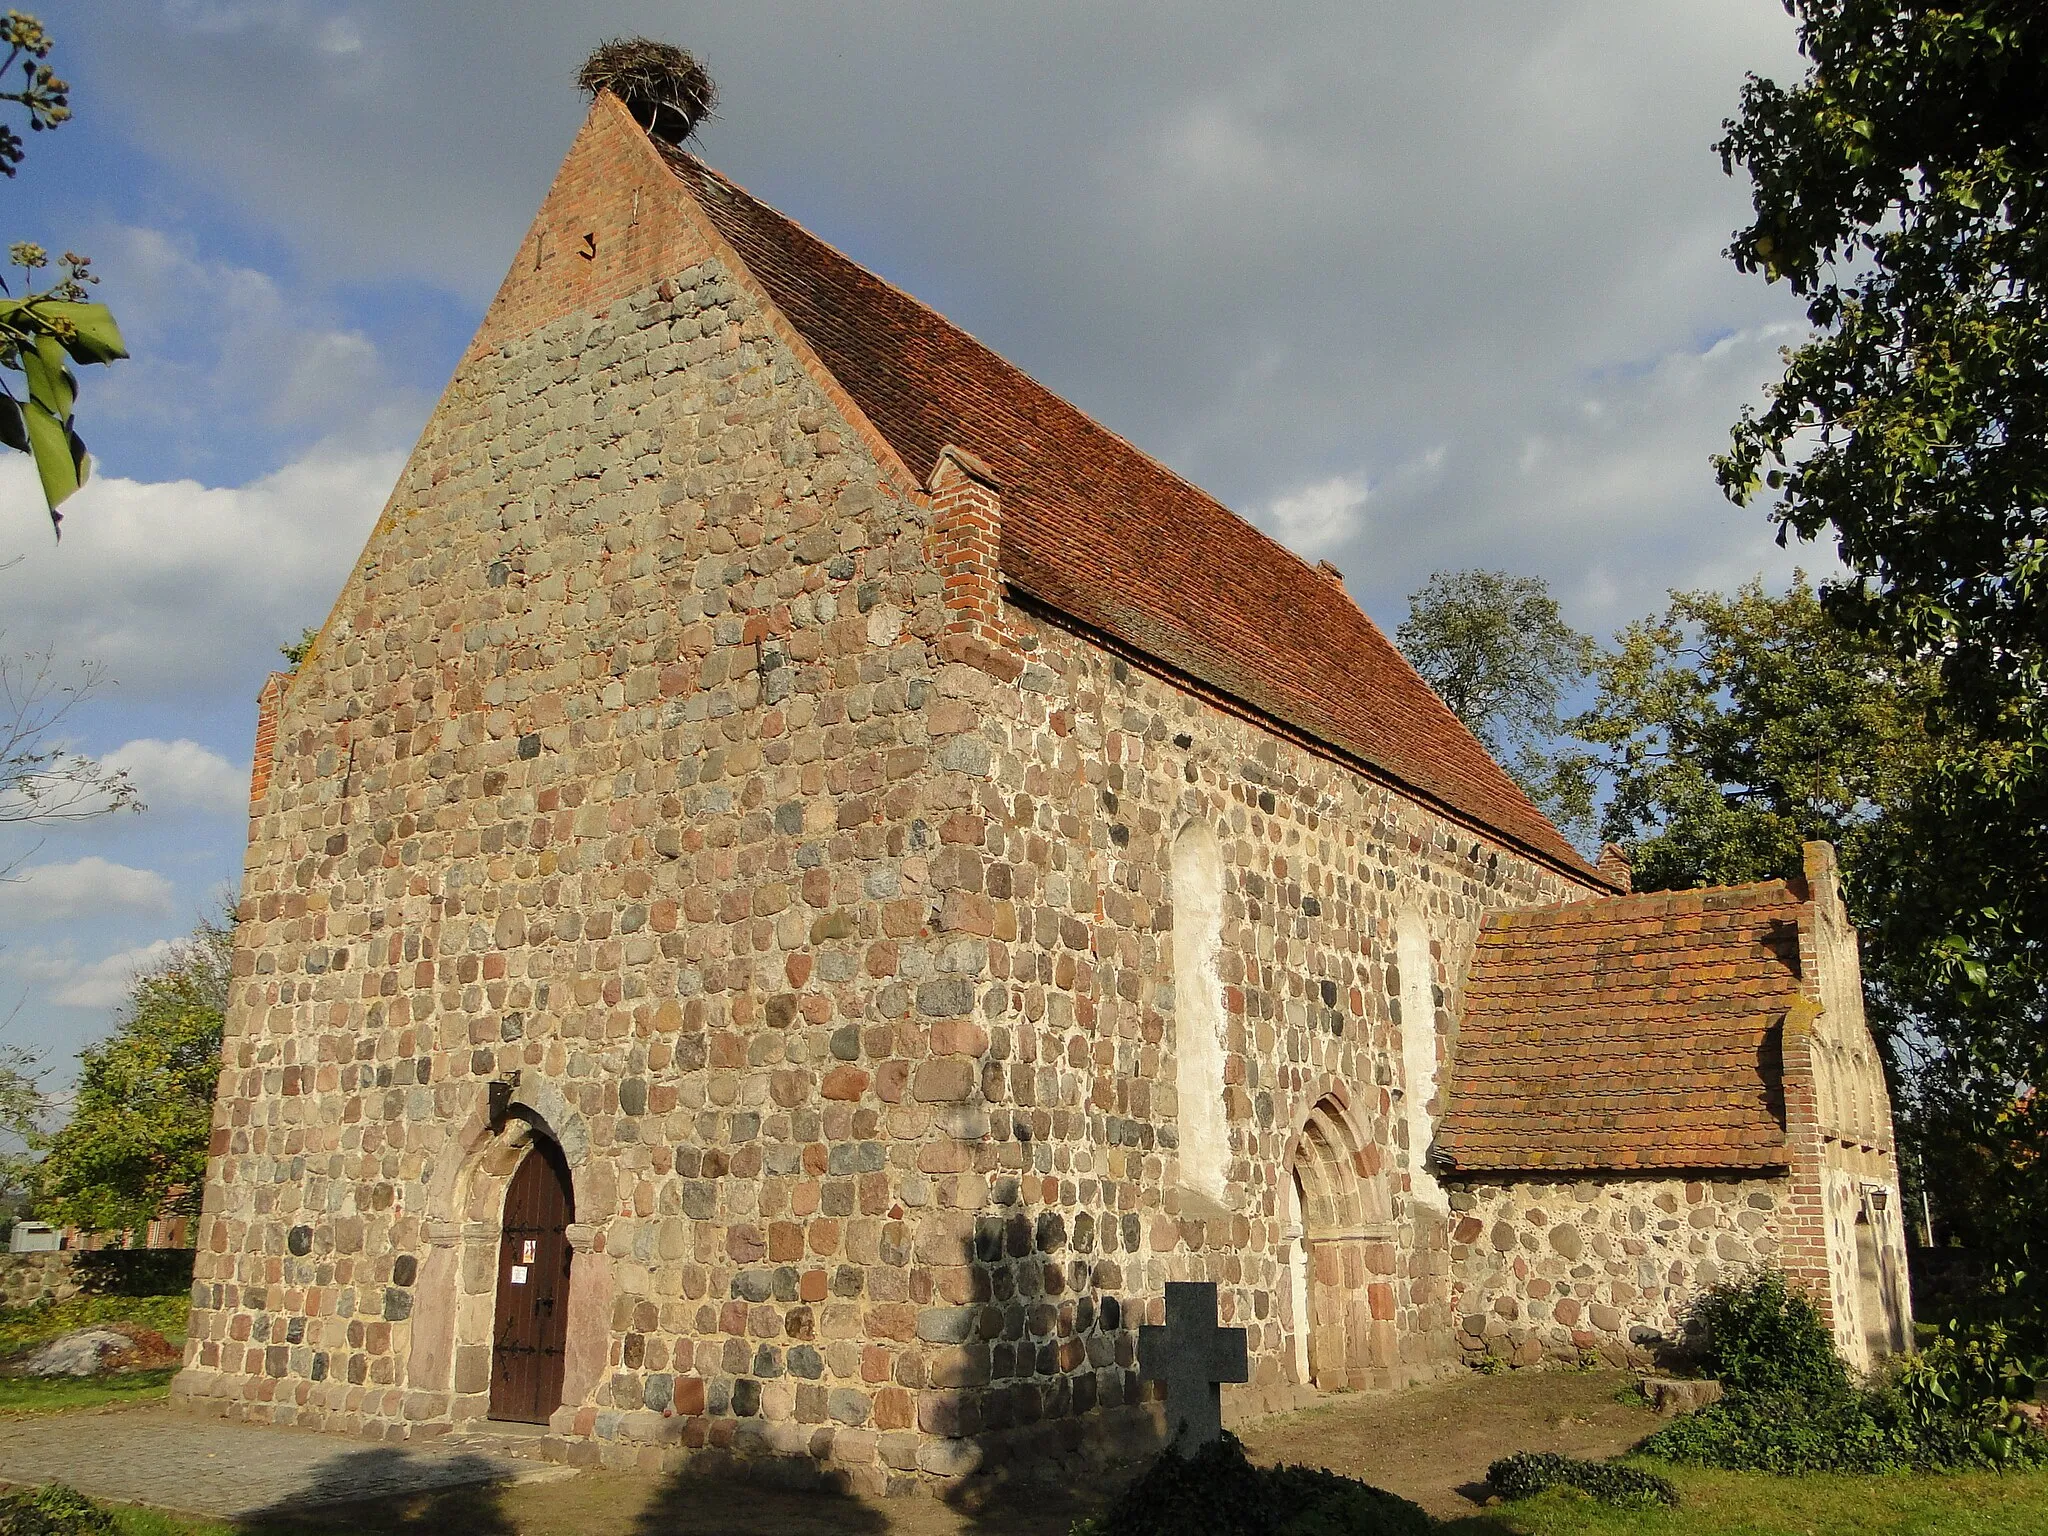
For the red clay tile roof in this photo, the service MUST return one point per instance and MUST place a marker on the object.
(1626, 1032)
(1097, 530)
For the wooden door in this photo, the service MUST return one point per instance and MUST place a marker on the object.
(532, 1323)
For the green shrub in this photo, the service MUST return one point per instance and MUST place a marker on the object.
(53, 1510)
(1525, 1475)
(1219, 1492)
(1758, 1334)
(1967, 1386)
(1789, 1433)
(1791, 1408)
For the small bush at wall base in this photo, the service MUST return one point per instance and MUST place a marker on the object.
(1758, 1334)
(1218, 1492)
(53, 1510)
(1530, 1473)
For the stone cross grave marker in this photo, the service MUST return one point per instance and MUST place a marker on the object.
(1192, 1356)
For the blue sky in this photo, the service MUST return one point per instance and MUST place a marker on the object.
(1414, 287)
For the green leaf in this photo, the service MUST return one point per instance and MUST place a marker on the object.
(95, 336)
(59, 456)
(13, 429)
(50, 383)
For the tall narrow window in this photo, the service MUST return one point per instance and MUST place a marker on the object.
(1198, 1010)
(1418, 1054)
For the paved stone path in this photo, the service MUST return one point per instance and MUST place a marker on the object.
(202, 1466)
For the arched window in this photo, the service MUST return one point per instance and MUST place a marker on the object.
(1418, 1052)
(1198, 1010)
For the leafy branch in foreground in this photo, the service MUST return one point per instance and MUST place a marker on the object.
(44, 331)
(1900, 188)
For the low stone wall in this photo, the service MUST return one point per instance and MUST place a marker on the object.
(1562, 1269)
(27, 1278)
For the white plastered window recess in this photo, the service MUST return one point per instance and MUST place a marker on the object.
(1198, 1012)
(1420, 1070)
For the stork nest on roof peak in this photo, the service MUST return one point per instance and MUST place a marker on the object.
(665, 88)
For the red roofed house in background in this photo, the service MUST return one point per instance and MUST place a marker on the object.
(802, 880)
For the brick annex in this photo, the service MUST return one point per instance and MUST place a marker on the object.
(803, 880)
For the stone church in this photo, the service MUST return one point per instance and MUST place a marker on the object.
(803, 880)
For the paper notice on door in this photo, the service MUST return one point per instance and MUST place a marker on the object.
(519, 1274)
(529, 1251)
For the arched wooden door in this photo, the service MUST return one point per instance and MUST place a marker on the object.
(532, 1323)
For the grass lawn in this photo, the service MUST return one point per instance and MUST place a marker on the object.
(1752, 1504)
(61, 1394)
(1431, 1443)
(22, 1328)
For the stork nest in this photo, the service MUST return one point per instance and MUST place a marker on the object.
(668, 92)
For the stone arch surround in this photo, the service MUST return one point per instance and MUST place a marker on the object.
(1348, 1248)
(457, 1293)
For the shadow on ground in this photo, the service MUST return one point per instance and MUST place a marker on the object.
(700, 1503)
(1431, 1444)
(353, 1491)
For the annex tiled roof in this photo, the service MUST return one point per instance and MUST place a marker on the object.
(1099, 531)
(1627, 1032)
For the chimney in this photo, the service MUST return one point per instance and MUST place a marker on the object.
(1613, 863)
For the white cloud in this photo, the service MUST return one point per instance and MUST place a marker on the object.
(181, 774)
(39, 963)
(87, 887)
(1318, 516)
(219, 344)
(178, 588)
(106, 982)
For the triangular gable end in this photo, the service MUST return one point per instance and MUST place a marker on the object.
(615, 220)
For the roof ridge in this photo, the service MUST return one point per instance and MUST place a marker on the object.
(1097, 528)
(1002, 361)
(1580, 905)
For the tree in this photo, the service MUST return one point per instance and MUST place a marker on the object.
(1901, 189)
(1498, 652)
(42, 780)
(135, 1147)
(44, 331)
(1734, 729)
(22, 1106)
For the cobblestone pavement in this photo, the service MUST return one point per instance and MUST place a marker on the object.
(201, 1466)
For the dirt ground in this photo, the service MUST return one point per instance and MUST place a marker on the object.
(1431, 1444)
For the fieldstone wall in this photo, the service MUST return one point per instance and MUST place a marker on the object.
(27, 1278)
(1563, 1269)
(610, 771)
(1096, 766)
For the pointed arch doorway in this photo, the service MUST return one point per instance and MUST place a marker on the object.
(530, 1329)
(1341, 1340)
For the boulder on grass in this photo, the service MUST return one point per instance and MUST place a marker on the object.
(82, 1352)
